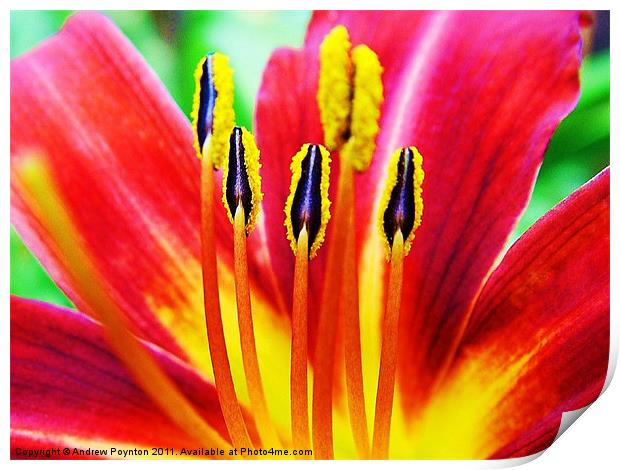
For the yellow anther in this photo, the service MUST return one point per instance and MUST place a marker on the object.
(241, 178)
(401, 205)
(349, 96)
(212, 115)
(308, 201)
(335, 86)
(366, 107)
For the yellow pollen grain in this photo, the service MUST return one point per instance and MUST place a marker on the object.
(325, 202)
(223, 112)
(390, 182)
(252, 168)
(335, 86)
(366, 107)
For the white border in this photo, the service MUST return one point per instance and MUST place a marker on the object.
(592, 442)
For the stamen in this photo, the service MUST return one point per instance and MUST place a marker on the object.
(212, 113)
(241, 197)
(400, 216)
(358, 152)
(37, 179)
(213, 119)
(349, 96)
(213, 315)
(299, 347)
(246, 331)
(401, 205)
(241, 178)
(307, 214)
(334, 93)
(308, 201)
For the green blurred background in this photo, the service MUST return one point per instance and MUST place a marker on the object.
(173, 42)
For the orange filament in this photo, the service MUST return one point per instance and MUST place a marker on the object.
(389, 349)
(299, 347)
(213, 315)
(37, 178)
(246, 331)
(352, 344)
(322, 432)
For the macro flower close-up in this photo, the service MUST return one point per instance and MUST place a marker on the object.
(336, 276)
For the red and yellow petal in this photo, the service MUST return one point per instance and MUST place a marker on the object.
(68, 388)
(484, 94)
(120, 152)
(479, 94)
(537, 344)
(121, 155)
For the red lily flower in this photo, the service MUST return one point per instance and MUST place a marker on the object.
(491, 350)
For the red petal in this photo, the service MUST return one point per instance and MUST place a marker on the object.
(68, 388)
(549, 297)
(286, 118)
(122, 157)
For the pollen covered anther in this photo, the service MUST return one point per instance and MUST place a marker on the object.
(308, 202)
(335, 86)
(350, 96)
(212, 113)
(241, 178)
(401, 204)
(365, 108)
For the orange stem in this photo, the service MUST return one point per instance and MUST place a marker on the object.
(389, 350)
(352, 342)
(213, 315)
(322, 431)
(246, 331)
(299, 347)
